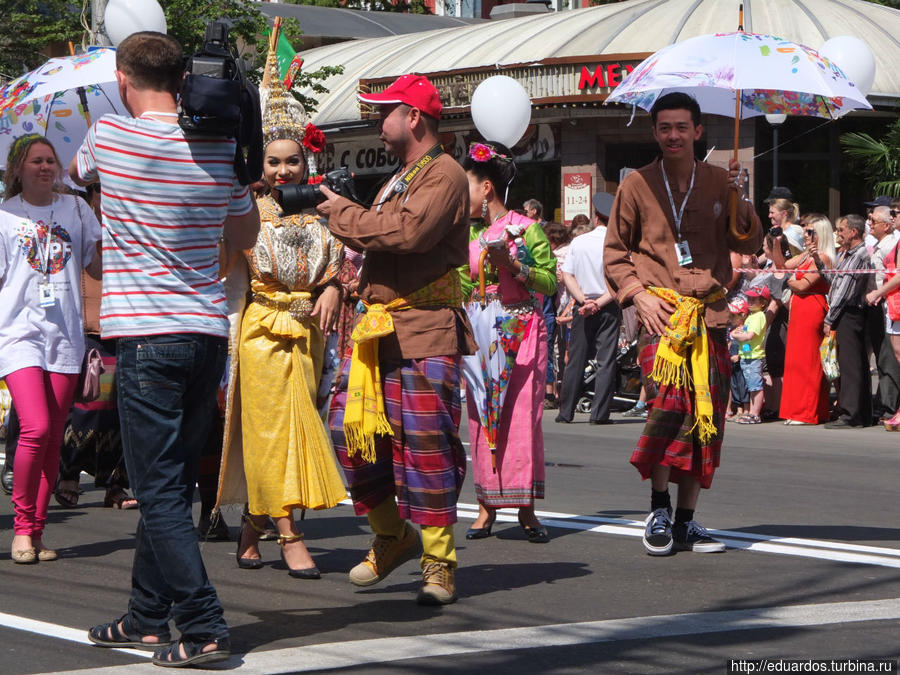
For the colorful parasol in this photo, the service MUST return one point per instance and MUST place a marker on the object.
(498, 334)
(743, 75)
(59, 100)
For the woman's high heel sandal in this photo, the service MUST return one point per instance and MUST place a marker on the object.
(892, 424)
(482, 532)
(536, 535)
(306, 572)
(248, 563)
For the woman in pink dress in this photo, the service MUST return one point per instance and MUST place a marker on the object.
(805, 396)
(520, 271)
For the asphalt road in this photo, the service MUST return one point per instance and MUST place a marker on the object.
(812, 572)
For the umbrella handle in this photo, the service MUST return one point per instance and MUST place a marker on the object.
(481, 282)
(732, 221)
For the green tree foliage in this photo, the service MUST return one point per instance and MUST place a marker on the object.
(28, 27)
(878, 160)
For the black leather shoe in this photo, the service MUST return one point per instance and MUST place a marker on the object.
(561, 419)
(536, 535)
(6, 479)
(482, 532)
(599, 422)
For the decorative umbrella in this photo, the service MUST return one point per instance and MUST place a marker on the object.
(743, 75)
(498, 335)
(59, 100)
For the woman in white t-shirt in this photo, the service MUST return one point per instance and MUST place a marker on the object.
(46, 238)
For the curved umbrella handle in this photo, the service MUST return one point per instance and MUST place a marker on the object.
(481, 283)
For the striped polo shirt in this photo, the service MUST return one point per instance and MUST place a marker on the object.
(165, 197)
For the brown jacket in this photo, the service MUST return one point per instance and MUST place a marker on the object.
(415, 238)
(640, 240)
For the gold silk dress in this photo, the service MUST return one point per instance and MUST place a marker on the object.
(288, 459)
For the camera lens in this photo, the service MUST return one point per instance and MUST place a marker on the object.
(295, 198)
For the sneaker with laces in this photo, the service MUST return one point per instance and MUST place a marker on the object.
(692, 536)
(438, 585)
(658, 533)
(636, 411)
(386, 554)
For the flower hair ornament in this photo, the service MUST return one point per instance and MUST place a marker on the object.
(484, 152)
(283, 116)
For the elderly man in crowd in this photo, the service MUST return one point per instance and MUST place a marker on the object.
(847, 317)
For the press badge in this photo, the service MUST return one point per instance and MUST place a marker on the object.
(46, 294)
(683, 253)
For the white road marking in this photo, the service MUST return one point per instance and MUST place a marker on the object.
(355, 653)
(78, 635)
(750, 541)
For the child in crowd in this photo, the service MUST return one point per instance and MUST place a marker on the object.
(737, 396)
(751, 338)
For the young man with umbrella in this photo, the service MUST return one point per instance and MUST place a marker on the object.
(667, 252)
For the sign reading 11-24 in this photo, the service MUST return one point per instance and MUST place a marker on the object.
(576, 196)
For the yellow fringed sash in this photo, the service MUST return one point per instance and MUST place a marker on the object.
(364, 415)
(687, 332)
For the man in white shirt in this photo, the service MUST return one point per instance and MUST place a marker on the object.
(597, 317)
(881, 227)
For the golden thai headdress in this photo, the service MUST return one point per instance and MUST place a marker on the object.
(283, 116)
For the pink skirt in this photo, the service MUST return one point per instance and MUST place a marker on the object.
(519, 478)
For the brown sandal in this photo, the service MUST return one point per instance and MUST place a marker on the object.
(117, 498)
(66, 497)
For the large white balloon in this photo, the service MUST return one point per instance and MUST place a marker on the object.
(501, 110)
(124, 17)
(854, 57)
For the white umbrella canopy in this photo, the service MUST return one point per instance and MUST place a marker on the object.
(58, 99)
(771, 74)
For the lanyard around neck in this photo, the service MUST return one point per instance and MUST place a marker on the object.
(43, 253)
(401, 184)
(677, 215)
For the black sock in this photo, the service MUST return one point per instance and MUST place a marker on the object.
(683, 515)
(660, 500)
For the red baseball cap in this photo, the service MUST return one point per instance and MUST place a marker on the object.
(758, 292)
(413, 90)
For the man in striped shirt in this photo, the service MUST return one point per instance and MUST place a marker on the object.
(168, 197)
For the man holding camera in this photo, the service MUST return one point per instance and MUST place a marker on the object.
(168, 197)
(395, 415)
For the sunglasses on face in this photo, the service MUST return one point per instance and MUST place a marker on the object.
(810, 232)
(894, 213)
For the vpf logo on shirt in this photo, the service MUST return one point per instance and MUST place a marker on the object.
(32, 238)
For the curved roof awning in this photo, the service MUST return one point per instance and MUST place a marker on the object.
(606, 35)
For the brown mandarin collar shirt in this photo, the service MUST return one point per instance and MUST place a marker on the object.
(640, 240)
(415, 238)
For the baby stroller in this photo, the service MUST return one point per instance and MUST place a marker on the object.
(628, 378)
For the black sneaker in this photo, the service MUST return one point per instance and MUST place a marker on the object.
(658, 534)
(692, 536)
(636, 411)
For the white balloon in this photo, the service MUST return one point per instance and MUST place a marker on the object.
(854, 57)
(124, 17)
(501, 110)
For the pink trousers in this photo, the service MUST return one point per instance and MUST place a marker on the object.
(42, 401)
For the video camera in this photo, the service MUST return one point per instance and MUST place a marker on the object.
(294, 198)
(218, 99)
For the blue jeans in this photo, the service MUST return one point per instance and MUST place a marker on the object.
(167, 401)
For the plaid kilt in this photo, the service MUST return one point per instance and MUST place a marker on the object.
(667, 438)
(424, 462)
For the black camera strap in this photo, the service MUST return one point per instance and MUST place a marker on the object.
(402, 184)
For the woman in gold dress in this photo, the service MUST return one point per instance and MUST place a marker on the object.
(277, 454)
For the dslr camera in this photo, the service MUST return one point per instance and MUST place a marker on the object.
(294, 198)
(776, 231)
(218, 99)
